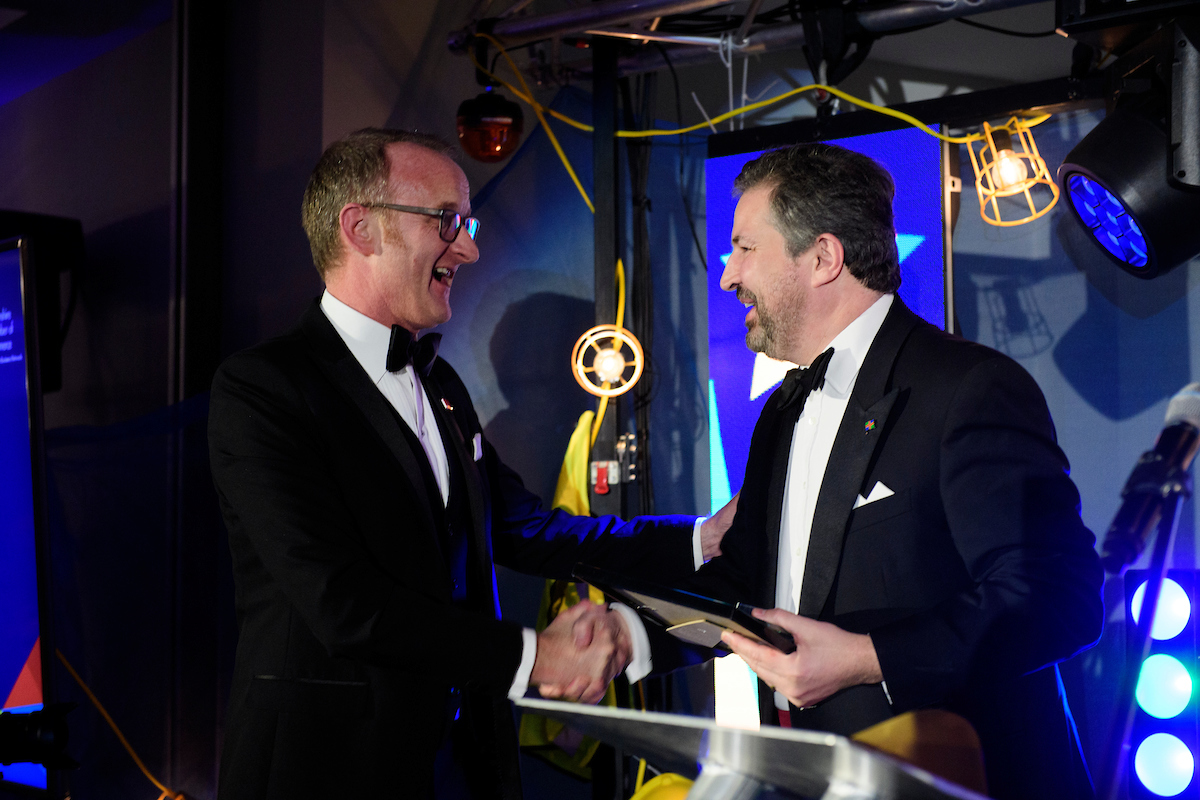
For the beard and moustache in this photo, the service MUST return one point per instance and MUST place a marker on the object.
(763, 334)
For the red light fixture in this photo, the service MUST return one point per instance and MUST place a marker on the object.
(489, 127)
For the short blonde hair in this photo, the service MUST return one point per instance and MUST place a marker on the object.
(351, 170)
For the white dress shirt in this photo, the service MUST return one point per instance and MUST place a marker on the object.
(812, 442)
(368, 342)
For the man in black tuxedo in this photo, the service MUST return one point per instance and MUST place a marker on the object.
(365, 511)
(904, 494)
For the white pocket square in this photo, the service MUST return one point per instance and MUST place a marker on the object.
(878, 492)
(477, 446)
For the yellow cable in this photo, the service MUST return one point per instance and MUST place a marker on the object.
(526, 95)
(620, 293)
(538, 108)
(166, 793)
(620, 319)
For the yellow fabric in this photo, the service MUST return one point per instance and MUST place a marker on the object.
(667, 786)
(571, 492)
(546, 738)
(937, 741)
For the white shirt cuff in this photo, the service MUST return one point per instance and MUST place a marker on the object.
(640, 663)
(697, 550)
(520, 683)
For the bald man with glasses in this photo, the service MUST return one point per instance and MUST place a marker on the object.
(366, 510)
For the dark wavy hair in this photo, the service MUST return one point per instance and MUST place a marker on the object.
(822, 188)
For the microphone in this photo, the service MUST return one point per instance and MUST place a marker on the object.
(1158, 474)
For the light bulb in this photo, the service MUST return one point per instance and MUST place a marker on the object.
(609, 365)
(1009, 171)
(489, 127)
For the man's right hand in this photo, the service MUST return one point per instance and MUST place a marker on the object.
(580, 652)
(713, 529)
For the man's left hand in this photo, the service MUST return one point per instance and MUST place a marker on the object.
(827, 659)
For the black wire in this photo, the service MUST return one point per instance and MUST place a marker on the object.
(687, 208)
(1005, 31)
(920, 27)
(642, 279)
(703, 22)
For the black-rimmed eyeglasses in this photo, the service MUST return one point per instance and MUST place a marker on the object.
(450, 222)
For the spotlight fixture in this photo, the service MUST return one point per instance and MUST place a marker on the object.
(1008, 167)
(1134, 181)
(489, 126)
(1121, 189)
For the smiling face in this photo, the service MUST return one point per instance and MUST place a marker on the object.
(412, 269)
(772, 284)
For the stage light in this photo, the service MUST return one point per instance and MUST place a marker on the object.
(1164, 764)
(1122, 188)
(1011, 168)
(1109, 220)
(1174, 610)
(489, 126)
(1164, 687)
(1166, 718)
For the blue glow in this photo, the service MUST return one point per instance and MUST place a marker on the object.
(1164, 686)
(1174, 610)
(1109, 220)
(906, 243)
(26, 774)
(1164, 764)
(718, 480)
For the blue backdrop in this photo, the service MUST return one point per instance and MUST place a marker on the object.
(18, 564)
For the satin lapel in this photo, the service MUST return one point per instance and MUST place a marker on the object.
(781, 439)
(460, 449)
(859, 434)
(340, 366)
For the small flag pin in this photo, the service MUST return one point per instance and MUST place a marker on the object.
(449, 407)
(870, 426)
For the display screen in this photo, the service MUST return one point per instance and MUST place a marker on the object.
(20, 654)
(741, 381)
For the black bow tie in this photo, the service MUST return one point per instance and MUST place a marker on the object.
(800, 382)
(403, 349)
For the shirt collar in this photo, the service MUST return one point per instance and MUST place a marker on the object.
(367, 339)
(851, 345)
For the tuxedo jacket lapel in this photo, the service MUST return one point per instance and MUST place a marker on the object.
(861, 431)
(344, 372)
(785, 423)
(458, 448)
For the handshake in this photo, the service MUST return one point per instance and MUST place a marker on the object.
(580, 652)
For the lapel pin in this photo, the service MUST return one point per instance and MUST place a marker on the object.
(870, 426)
(449, 407)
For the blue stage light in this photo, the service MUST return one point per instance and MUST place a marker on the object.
(1124, 170)
(1164, 686)
(1109, 221)
(1164, 764)
(1174, 610)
